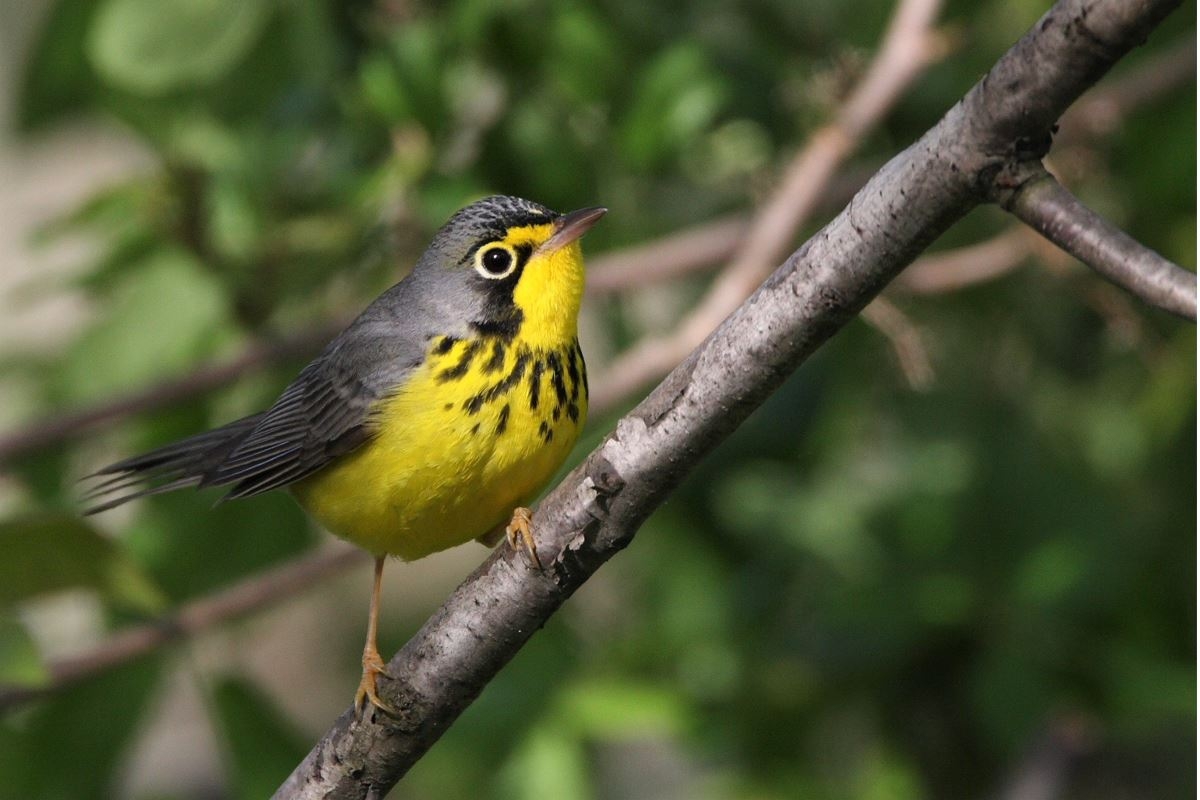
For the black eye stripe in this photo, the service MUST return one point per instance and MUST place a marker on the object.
(524, 251)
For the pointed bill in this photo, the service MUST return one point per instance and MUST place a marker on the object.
(570, 227)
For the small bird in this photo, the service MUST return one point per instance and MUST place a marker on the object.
(433, 418)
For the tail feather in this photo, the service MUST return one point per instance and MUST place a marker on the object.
(173, 466)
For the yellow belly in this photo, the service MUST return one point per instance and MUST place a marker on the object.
(454, 453)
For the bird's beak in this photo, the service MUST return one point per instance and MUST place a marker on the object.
(570, 227)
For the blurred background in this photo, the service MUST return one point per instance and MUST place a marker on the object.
(952, 557)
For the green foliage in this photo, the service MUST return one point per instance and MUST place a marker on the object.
(262, 746)
(868, 592)
(152, 48)
(20, 664)
(70, 746)
(51, 552)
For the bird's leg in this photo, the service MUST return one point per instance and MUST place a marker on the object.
(520, 534)
(372, 662)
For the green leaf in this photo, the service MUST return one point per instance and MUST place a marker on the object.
(613, 710)
(69, 746)
(52, 552)
(152, 47)
(20, 663)
(57, 78)
(548, 764)
(678, 96)
(192, 547)
(161, 318)
(262, 745)
(588, 59)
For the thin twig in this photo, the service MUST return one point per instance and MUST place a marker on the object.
(51, 430)
(905, 339)
(1100, 111)
(667, 258)
(1041, 202)
(956, 269)
(909, 46)
(254, 592)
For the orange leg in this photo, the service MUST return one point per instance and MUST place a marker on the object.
(520, 534)
(372, 662)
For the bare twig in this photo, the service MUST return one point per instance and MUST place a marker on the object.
(597, 509)
(1041, 202)
(908, 47)
(57, 428)
(905, 339)
(253, 593)
(667, 258)
(1100, 111)
(952, 270)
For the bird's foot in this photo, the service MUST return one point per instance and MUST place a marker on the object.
(520, 534)
(372, 668)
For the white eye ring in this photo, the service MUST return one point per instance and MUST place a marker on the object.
(495, 261)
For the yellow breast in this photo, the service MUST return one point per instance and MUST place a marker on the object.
(475, 431)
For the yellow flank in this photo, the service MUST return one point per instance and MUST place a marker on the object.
(474, 431)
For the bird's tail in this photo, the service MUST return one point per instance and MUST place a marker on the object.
(173, 466)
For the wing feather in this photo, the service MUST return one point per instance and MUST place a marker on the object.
(326, 412)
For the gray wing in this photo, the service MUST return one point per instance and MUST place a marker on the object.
(326, 412)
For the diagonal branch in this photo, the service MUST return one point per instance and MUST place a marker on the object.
(597, 509)
(1044, 204)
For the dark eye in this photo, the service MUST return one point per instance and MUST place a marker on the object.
(496, 262)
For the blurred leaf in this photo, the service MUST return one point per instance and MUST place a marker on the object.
(587, 55)
(1148, 686)
(56, 78)
(151, 47)
(50, 552)
(888, 776)
(191, 546)
(676, 97)
(548, 764)
(262, 745)
(1050, 571)
(69, 746)
(20, 663)
(621, 709)
(161, 318)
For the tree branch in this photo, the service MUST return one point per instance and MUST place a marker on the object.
(1044, 204)
(596, 510)
(241, 598)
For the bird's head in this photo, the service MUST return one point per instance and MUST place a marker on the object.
(511, 266)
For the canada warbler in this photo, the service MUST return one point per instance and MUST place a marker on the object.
(447, 404)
